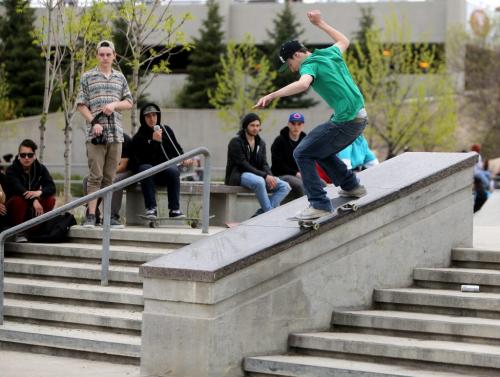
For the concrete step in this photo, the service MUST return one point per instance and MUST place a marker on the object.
(427, 323)
(76, 340)
(74, 270)
(119, 253)
(476, 258)
(439, 297)
(73, 314)
(458, 275)
(314, 366)
(75, 291)
(144, 236)
(422, 350)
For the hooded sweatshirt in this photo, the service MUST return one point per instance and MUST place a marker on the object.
(37, 178)
(240, 159)
(282, 149)
(149, 151)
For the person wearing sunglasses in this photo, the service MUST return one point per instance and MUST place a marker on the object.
(30, 187)
(3, 208)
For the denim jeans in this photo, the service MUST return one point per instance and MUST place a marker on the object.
(169, 177)
(322, 145)
(258, 185)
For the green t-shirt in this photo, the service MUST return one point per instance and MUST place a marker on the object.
(334, 83)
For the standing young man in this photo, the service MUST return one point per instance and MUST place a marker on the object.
(103, 94)
(247, 166)
(326, 71)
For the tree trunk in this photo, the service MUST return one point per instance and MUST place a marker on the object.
(135, 94)
(67, 158)
(47, 90)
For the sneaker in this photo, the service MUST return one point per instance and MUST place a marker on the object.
(151, 213)
(176, 213)
(356, 192)
(89, 221)
(21, 238)
(115, 223)
(311, 213)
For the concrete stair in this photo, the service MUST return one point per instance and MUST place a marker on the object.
(430, 329)
(54, 302)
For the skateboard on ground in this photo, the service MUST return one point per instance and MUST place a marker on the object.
(340, 205)
(193, 222)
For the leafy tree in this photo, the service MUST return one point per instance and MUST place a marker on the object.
(476, 59)
(23, 64)
(7, 108)
(144, 20)
(286, 28)
(204, 61)
(244, 78)
(405, 108)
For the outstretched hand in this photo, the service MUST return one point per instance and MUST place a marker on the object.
(314, 16)
(263, 101)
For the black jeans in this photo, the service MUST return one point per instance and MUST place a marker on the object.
(169, 177)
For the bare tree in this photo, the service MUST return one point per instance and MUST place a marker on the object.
(153, 36)
(47, 38)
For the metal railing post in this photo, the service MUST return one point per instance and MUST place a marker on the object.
(106, 225)
(206, 195)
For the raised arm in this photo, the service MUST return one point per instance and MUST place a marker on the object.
(340, 39)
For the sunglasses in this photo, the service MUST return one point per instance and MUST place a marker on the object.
(26, 155)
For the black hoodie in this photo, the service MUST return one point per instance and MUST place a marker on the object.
(282, 153)
(148, 151)
(239, 156)
(38, 178)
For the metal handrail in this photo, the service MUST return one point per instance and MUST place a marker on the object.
(107, 193)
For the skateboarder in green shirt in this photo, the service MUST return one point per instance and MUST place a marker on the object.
(326, 71)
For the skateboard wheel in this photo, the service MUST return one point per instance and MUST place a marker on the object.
(152, 224)
(315, 226)
(194, 224)
(354, 207)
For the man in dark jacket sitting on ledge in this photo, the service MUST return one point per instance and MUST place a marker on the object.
(247, 166)
(153, 144)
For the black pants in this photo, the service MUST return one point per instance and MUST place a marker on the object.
(169, 177)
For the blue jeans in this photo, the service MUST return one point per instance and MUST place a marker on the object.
(322, 145)
(258, 185)
(169, 177)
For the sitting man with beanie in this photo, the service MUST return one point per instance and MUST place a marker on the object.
(247, 166)
(153, 144)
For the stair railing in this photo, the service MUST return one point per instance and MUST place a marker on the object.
(107, 194)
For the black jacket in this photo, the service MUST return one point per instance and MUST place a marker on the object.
(145, 150)
(38, 178)
(282, 149)
(238, 159)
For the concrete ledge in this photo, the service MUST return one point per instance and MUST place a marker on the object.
(385, 184)
(242, 291)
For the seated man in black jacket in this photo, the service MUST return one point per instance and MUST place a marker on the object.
(31, 189)
(152, 145)
(247, 166)
(283, 163)
(3, 199)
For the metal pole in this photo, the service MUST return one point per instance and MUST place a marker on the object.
(206, 195)
(105, 238)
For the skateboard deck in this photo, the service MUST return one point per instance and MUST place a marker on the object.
(340, 205)
(156, 222)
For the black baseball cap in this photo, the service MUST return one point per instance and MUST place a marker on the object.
(286, 52)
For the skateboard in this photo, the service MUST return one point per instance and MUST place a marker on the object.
(193, 222)
(340, 205)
